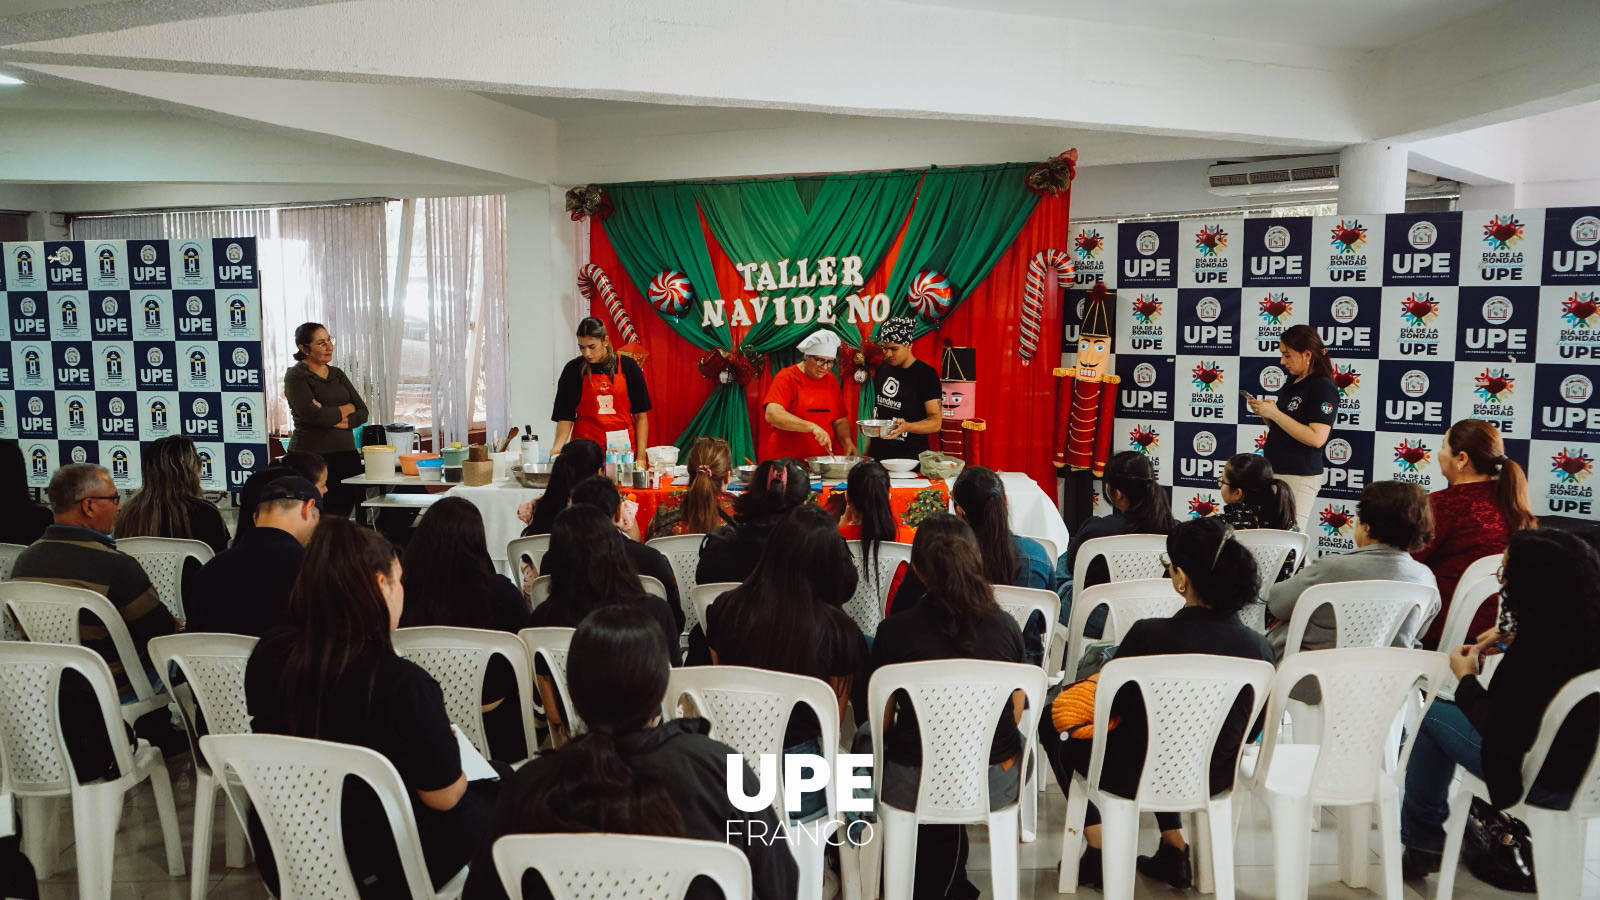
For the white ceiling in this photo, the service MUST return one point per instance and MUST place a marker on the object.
(1345, 25)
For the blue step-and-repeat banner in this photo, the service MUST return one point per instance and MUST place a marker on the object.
(108, 345)
(1429, 318)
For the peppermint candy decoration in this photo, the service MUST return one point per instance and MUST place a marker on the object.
(1032, 323)
(671, 293)
(593, 280)
(930, 295)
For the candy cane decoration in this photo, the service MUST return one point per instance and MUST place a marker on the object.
(1033, 298)
(592, 280)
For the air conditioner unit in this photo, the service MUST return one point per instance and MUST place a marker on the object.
(1289, 175)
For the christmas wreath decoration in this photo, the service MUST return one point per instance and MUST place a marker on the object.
(588, 200)
(860, 363)
(1054, 175)
(728, 367)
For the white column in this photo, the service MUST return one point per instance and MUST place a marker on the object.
(539, 303)
(1372, 178)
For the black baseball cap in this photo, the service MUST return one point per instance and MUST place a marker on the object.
(289, 487)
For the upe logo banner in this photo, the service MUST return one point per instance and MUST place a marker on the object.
(1146, 321)
(1567, 403)
(1347, 458)
(1497, 324)
(108, 266)
(1416, 395)
(1408, 456)
(69, 316)
(1208, 321)
(1094, 255)
(803, 773)
(1200, 452)
(64, 268)
(1347, 251)
(1149, 255)
(1208, 390)
(1561, 478)
(1422, 249)
(1155, 438)
(1569, 324)
(1498, 393)
(1357, 383)
(1266, 313)
(1349, 320)
(1419, 322)
(1145, 388)
(1501, 246)
(1572, 246)
(1277, 252)
(1210, 253)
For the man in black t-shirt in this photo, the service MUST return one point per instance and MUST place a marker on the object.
(908, 391)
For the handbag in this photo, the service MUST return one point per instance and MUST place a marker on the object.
(1498, 850)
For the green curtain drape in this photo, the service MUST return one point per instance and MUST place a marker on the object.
(725, 415)
(657, 228)
(964, 222)
(755, 221)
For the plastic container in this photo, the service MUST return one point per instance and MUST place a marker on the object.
(453, 474)
(430, 469)
(408, 461)
(454, 456)
(380, 460)
(661, 457)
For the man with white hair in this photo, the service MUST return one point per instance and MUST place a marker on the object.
(804, 407)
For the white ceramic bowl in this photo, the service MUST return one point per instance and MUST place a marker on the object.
(900, 466)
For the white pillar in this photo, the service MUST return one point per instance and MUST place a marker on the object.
(540, 286)
(1372, 178)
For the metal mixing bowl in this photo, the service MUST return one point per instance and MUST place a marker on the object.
(744, 474)
(878, 428)
(833, 467)
(538, 478)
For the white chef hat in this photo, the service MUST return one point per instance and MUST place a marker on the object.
(820, 343)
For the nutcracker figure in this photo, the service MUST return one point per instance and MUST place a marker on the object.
(1086, 409)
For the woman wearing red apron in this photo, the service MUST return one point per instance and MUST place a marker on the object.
(601, 396)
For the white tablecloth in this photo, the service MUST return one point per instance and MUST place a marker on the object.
(1033, 512)
(498, 503)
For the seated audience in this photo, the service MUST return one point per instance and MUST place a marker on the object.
(798, 589)
(1139, 505)
(330, 672)
(868, 516)
(78, 551)
(705, 505)
(1474, 517)
(1216, 576)
(630, 773)
(578, 460)
(1550, 592)
(731, 552)
(450, 580)
(1392, 519)
(168, 503)
(245, 589)
(589, 568)
(302, 463)
(957, 619)
(601, 493)
(1253, 497)
(22, 520)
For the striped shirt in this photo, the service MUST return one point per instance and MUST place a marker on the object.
(84, 558)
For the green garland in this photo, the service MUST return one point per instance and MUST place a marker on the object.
(927, 502)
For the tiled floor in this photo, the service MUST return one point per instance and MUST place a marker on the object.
(141, 870)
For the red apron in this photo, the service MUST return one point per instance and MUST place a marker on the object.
(604, 407)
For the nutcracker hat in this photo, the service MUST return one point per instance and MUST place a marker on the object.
(1095, 321)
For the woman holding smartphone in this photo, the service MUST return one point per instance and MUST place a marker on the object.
(1298, 428)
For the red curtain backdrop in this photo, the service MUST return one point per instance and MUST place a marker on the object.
(1017, 401)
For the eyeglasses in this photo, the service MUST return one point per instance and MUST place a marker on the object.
(820, 360)
(1222, 481)
(325, 342)
(114, 498)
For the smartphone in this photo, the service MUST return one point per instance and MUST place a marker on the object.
(1246, 395)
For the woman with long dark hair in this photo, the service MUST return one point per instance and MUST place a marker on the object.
(868, 516)
(1253, 496)
(705, 505)
(168, 503)
(450, 579)
(326, 409)
(630, 773)
(22, 521)
(1216, 576)
(730, 553)
(330, 672)
(1138, 504)
(1475, 516)
(589, 568)
(578, 460)
(1550, 614)
(788, 615)
(1298, 428)
(958, 619)
(601, 393)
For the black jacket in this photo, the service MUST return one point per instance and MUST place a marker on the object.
(693, 768)
(245, 589)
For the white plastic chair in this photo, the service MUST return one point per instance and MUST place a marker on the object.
(956, 702)
(703, 595)
(550, 645)
(1464, 605)
(865, 606)
(39, 769)
(49, 615)
(458, 658)
(749, 710)
(1127, 602)
(213, 667)
(1365, 691)
(596, 866)
(1270, 547)
(1020, 604)
(162, 560)
(539, 592)
(295, 785)
(683, 554)
(1559, 834)
(534, 546)
(1365, 613)
(8, 558)
(653, 586)
(1050, 548)
(1187, 699)
(1128, 557)
(1482, 567)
